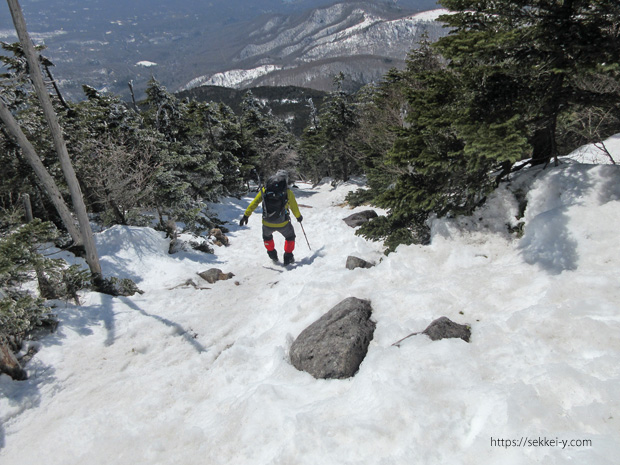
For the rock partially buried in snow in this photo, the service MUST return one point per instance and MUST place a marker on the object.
(335, 345)
(358, 219)
(443, 328)
(213, 275)
(9, 364)
(220, 237)
(355, 262)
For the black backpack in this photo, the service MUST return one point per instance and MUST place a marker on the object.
(275, 198)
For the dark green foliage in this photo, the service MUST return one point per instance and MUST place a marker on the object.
(21, 261)
(114, 157)
(529, 60)
(19, 252)
(16, 176)
(267, 143)
(203, 146)
(394, 232)
(503, 86)
(20, 314)
(117, 287)
(327, 145)
(288, 103)
(169, 158)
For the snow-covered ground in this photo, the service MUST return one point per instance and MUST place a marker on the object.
(191, 376)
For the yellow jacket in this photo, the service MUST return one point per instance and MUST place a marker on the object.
(291, 203)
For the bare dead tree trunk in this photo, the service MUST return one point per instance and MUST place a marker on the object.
(56, 89)
(92, 259)
(133, 97)
(27, 207)
(49, 185)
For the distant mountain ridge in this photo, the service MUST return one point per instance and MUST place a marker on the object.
(361, 39)
(108, 43)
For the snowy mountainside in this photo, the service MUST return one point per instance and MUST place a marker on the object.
(186, 375)
(360, 39)
(107, 44)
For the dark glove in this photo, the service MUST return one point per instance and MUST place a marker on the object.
(300, 218)
(243, 221)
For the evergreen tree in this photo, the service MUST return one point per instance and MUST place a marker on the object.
(188, 168)
(114, 155)
(523, 62)
(514, 72)
(21, 261)
(383, 109)
(17, 175)
(213, 128)
(422, 171)
(268, 145)
(327, 147)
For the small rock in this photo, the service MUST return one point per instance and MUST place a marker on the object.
(355, 262)
(9, 364)
(213, 275)
(220, 238)
(176, 246)
(358, 219)
(443, 328)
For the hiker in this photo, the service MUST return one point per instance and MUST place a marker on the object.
(276, 198)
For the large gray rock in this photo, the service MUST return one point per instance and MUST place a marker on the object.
(358, 219)
(335, 345)
(443, 328)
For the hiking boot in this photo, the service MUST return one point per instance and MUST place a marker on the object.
(273, 254)
(288, 258)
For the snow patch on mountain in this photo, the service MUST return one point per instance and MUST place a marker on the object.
(232, 78)
(430, 15)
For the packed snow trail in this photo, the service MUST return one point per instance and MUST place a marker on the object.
(189, 376)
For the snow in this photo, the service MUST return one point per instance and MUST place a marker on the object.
(146, 63)
(186, 375)
(232, 78)
(430, 15)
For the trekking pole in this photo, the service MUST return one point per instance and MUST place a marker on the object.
(260, 189)
(304, 231)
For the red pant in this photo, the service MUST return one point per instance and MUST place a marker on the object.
(287, 231)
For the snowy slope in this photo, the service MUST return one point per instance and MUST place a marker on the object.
(194, 376)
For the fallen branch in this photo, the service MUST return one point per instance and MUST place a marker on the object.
(397, 343)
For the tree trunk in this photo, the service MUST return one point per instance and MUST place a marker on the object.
(133, 97)
(56, 88)
(27, 208)
(49, 185)
(59, 144)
